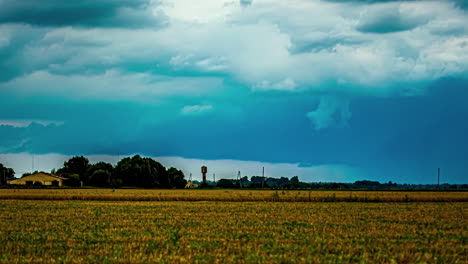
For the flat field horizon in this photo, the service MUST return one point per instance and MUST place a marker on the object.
(266, 195)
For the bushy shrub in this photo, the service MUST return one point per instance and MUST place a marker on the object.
(71, 179)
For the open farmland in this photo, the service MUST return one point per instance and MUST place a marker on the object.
(74, 231)
(233, 195)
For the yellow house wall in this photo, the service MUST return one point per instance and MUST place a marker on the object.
(39, 177)
(190, 185)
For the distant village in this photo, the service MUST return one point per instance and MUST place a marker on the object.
(140, 172)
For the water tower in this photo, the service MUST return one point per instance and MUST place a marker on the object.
(204, 170)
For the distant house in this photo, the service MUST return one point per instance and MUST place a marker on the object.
(191, 185)
(41, 178)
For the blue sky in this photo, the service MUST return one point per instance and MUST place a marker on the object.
(327, 90)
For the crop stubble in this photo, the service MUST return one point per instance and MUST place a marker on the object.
(219, 232)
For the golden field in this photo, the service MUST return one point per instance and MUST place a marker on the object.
(233, 195)
(72, 231)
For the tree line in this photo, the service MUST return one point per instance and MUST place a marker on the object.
(6, 174)
(143, 172)
(295, 183)
(259, 182)
(136, 171)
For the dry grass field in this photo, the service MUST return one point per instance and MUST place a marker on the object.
(232, 195)
(72, 231)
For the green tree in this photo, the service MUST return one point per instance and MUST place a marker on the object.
(141, 172)
(225, 183)
(176, 178)
(293, 183)
(100, 166)
(76, 165)
(71, 180)
(105, 176)
(100, 178)
(6, 174)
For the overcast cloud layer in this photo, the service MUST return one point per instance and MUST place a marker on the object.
(374, 85)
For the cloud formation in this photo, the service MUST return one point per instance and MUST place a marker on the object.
(26, 123)
(195, 109)
(387, 18)
(113, 85)
(259, 48)
(87, 13)
(140, 76)
(245, 2)
(331, 111)
(356, 48)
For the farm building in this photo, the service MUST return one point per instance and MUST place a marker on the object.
(39, 178)
(191, 185)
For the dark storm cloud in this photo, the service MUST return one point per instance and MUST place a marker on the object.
(13, 59)
(326, 44)
(459, 3)
(370, 1)
(86, 13)
(384, 26)
(246, 2)
(388, 19)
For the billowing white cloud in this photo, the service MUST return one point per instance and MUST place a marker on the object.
(195, 109)
(284, 85)
(207, 11)
(270, 42)
(111, 85)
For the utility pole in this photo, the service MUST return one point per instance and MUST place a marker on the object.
(263, 177)
(239, 178)
(214, 179)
